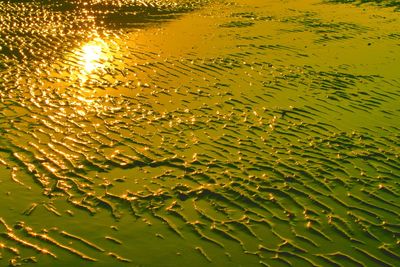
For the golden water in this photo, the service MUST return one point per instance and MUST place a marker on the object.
(199, 133)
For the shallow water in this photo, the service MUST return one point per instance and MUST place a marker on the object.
(199, 133)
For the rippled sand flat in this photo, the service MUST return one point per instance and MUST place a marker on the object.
(199, 133)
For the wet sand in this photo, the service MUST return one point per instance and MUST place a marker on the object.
(199, 133)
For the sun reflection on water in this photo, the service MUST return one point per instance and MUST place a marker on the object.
(93, 56)
(91, 62)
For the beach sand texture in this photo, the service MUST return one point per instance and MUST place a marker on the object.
(199, 133)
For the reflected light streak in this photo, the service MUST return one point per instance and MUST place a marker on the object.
(93, 56)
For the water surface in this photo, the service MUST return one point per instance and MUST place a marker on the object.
(201, 133)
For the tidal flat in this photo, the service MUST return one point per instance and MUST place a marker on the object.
(163, 133)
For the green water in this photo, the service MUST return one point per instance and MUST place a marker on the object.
(205, 133)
